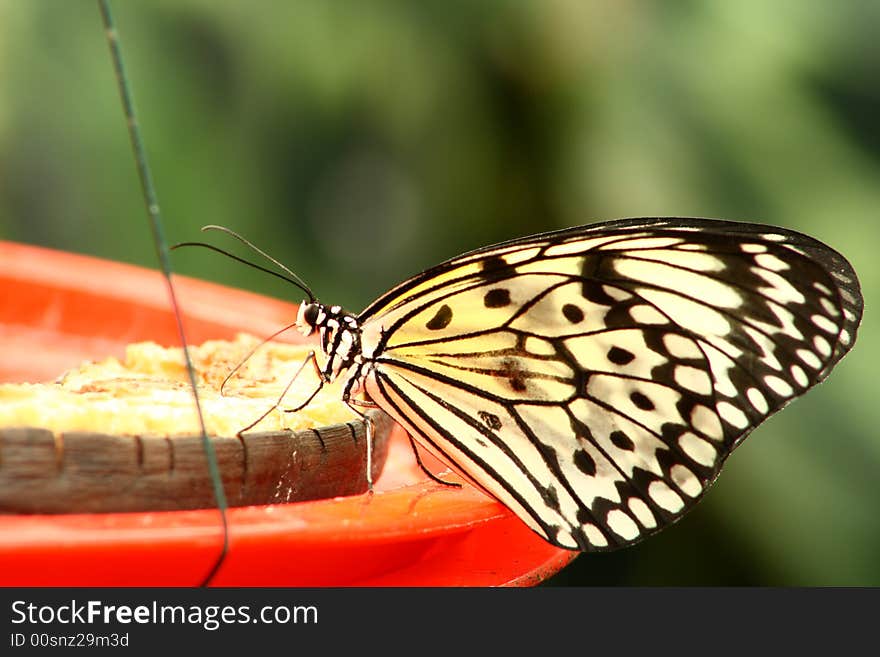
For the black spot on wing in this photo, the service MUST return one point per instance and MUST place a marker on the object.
(551, 497)
(584, 462)
(490, 420)
(494, 268)
(572, 313)
(497, 298)
(641, 401)
(441, 319)
(582, 459)
(620, 356)
(622, 441)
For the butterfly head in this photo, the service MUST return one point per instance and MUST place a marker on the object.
(339, 331)
(307, 320)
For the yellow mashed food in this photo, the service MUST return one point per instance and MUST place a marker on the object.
(148, 392)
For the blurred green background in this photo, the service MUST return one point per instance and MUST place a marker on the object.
(362, 142)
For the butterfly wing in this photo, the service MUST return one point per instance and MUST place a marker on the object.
(595, 379)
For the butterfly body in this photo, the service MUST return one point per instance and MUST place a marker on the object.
(594, 379)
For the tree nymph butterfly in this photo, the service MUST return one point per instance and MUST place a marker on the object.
(595, 379)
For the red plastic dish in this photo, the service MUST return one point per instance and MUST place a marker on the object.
(57, 309)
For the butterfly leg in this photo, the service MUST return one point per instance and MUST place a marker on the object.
(321, 381)
(430, 474)
(248, 357)
(366, 403)
(370, 430)
(309, 357)
(368, 424)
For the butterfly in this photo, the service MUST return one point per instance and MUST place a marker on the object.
(595, 379)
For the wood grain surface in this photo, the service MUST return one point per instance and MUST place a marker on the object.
(79, 472)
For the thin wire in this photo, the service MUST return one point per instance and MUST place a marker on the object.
(155, 221)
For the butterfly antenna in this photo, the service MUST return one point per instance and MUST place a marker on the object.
(155, 221)
(296, 280)
(293, 281)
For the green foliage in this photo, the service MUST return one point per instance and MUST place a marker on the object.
(362, 142)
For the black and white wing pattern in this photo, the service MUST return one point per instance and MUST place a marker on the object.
(595, 379)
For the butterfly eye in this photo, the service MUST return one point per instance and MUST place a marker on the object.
(307, 318)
